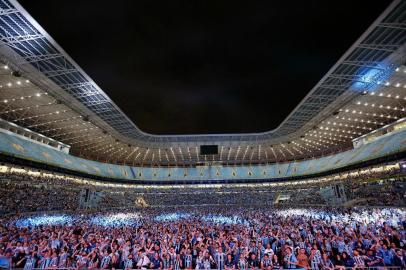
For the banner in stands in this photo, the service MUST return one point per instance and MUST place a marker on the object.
(18, 147)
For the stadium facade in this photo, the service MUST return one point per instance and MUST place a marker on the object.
(53, 114)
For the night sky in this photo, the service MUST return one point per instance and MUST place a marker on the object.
(187, 67)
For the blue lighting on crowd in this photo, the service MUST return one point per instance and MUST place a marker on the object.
(44, 220)
(135, 219)
(370, 78)
(220, 219)
(117, 219)
(171, 217)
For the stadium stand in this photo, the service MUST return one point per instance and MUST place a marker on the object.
(390, 144)
(382, 185)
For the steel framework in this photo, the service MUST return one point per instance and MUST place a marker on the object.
(372, 59)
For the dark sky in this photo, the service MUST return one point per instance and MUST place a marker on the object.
(205, 66)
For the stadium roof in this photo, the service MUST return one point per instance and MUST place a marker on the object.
(43, 89)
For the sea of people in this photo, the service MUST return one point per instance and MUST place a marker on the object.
(52, 193)
(46, 223)
(207, 238)
(24, 193)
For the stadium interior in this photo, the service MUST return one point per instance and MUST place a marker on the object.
(82, 187)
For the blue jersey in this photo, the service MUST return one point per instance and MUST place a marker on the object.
(30, 263)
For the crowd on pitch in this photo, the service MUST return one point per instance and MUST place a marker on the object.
(207, 238)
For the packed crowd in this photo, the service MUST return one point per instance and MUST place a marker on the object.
(26, 193)
(207, 238)
(378, 192)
